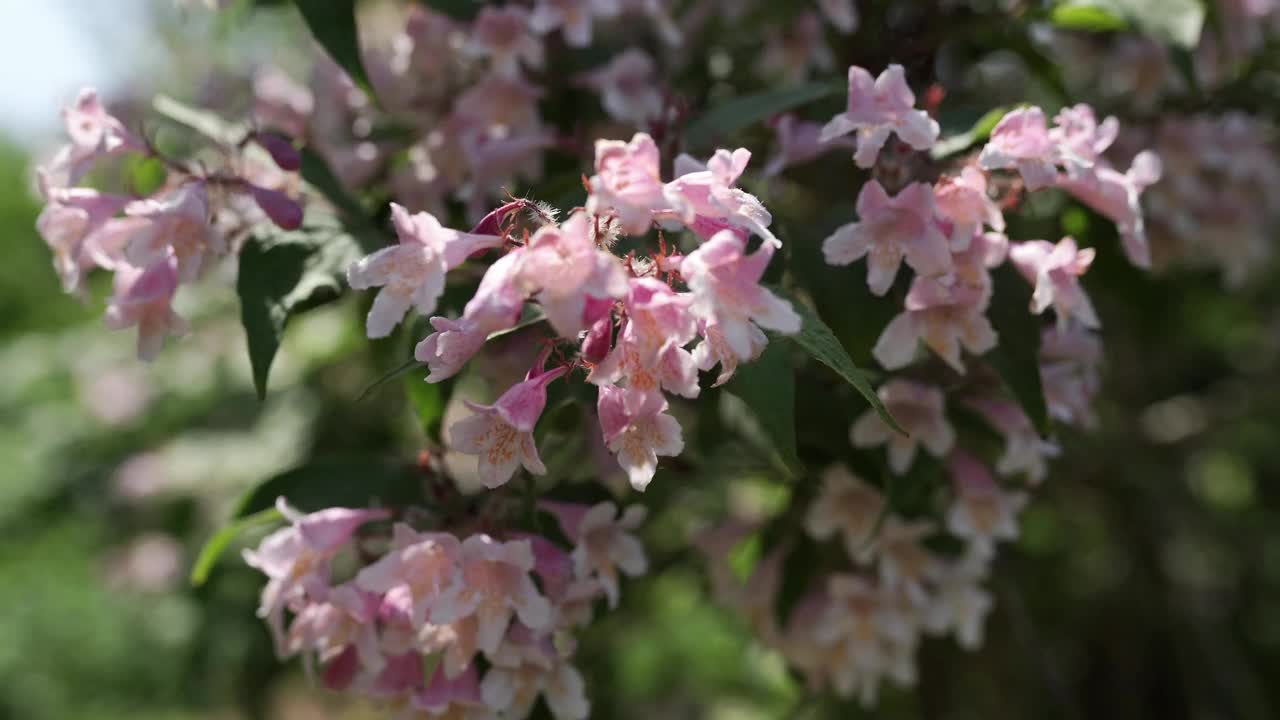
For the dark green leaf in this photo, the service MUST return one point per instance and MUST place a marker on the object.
(818, 340)
(745, 111)
(333, 25)
(336, 482)
(221, 540)
(799, 570)
(1017, 357)
(285, 273)
(767, 386)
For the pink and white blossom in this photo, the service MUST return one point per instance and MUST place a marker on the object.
(628, 88)
(981, 513)
(628, 183)
(1021, 141)
(943, 313)
(503, 35)
(411, 274)
(649, 354)
(706, 196)
(501, 434)
(1055, 272)
(573, 17)
(496, 306)
(143, 298)
(878, 107)
(176, 223)
(920, 410)
(564, 269)
(798, 142)
(603, 542)
(78, 226)
(963, 201)
(888, 230)
(725, 282)
(493, 584)
(848, 506)
(423, 564)
(637, 437)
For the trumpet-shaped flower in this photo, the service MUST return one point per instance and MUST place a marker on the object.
(963, 202)
(705, 196)
(178, 223)
(946, 315)
(501, 434)
(637, 437)
(565, 268)
(920, 410)
(878, 107)
(493, 583)
(981, 513)
(143, 298)
(411, 274)
(888, 230)
(725, 282)
(1055, 271)
(1021, 141)
(846, 505)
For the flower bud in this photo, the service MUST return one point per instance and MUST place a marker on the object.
(283, 210)
(282, 151)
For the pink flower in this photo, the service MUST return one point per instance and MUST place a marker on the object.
(878, 107)
(704, 194)
(846, 505)
(963, 202)
(959, 603)
(412, 273)
(1021, 140)
(525, 667)
(981, 513)
(143, 298)
(627, 87)
(94, 133)
(649, 354)
(564, 267)
(715, 350)
(888, 230)
(77, 226)
(453, 698)
(798, 142)
(421, 563)
(920, 410)
(725, 282)
(603, 542)
(904, 562)
(502, 433)
(628, 183)
(495, 306)
(1025, 452)
(637, 437)
(1116, 196)
(295, 559)
(502, 34)
(573, 17)
(1069, 360)
(493, 582)
(861, 637)
(946, 315)
(1055, 271)
(842, 14)
(177, 222)
(1081, 140)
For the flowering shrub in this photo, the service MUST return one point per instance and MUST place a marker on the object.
(639, 319)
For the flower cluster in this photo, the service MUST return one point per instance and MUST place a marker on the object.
(886, 581)
(418, 610)
(156, 243)
(629, 325)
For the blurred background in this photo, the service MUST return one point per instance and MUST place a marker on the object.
(1146, 583)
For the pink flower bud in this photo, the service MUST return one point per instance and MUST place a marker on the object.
(283, 210)
(282, 151)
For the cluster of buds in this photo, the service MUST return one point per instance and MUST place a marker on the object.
(441, 624)
(861, 621)
(628, 322)
(156, 243)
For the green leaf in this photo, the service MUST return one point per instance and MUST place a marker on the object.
(333, 25)
(818, 340)
(1088, 17)
(980, 131)
(747, 110)
(1177, 22)
(285, 273)
(1017, 357)
(221, 540)
(767, 386)
(342, 481)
